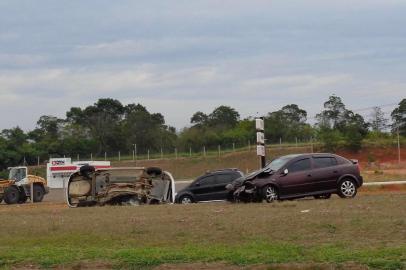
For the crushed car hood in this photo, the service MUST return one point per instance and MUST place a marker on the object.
(240, 181)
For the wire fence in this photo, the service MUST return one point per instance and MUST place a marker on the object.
(200, 152)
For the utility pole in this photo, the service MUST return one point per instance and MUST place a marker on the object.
(261, 148)
(398, 146)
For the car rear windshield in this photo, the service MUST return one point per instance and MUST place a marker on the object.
(323, 162)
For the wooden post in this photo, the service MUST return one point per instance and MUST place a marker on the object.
(32, 192)
(119, 156)
(399, 159)
(311, 141)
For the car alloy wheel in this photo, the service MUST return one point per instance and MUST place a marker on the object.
(186, 200)
(348, 189)
(270, 194)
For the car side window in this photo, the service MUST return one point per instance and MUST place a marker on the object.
(300, 165)
(207, 181)
(224, 178)
(324, 162)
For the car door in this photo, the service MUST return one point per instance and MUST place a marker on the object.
(203, 188)
(219, 188)
(298, 179)
(325, 173)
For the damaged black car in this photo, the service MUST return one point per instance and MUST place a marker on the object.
(297, 176)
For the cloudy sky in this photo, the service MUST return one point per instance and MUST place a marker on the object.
(178, 57)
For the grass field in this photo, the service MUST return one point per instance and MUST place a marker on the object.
(368, 231)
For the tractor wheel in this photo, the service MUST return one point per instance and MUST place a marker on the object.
(12, 195)
(38, 193)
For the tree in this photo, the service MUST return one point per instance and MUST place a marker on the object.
(399, 118)
(288, 123)
(199, 119)
(103, 120)
(345, 124)
(378, 121)
(224, 117)
(334, 114)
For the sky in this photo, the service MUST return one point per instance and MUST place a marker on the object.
(180, 57)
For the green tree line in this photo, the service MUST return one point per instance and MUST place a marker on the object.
(109, 126)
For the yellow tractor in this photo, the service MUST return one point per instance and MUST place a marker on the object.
(17, 189)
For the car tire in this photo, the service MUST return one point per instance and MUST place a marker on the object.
(269, 193)
(38, 193)
(347, 188)
(323, 196)
(12, 195)
(186, 199)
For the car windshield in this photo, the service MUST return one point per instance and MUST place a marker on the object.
(278, 163)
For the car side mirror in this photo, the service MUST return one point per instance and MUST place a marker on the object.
(285, 172)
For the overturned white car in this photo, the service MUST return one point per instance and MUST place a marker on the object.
(119, 186)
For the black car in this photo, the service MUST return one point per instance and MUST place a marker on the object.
(298, 176)
(209, 187)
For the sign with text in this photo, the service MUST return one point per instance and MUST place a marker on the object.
(260, 138)
(259, 124)
(261, 150)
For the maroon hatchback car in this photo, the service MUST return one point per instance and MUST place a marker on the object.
(298, 176)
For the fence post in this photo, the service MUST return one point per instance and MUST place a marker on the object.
(233, 147)
(219, 147)
(162, 153)
(119, 156)
(148, 155)
(204, 151)
(176, 153)
(32, 192)
(398, 146)
(311, 141)
(296, 141)
(38, 161)
(78, 157)
(91, 156)
(105, 156)
(249, 145)
(133, 155)
(190, 151)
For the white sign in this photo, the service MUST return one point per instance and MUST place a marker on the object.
(259, 124)
(60, 169)
(260, 138)
(261, 150)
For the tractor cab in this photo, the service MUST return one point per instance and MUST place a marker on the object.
(18, 173)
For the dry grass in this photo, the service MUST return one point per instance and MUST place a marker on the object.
(369, 230)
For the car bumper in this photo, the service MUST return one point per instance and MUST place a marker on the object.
(360, 181)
